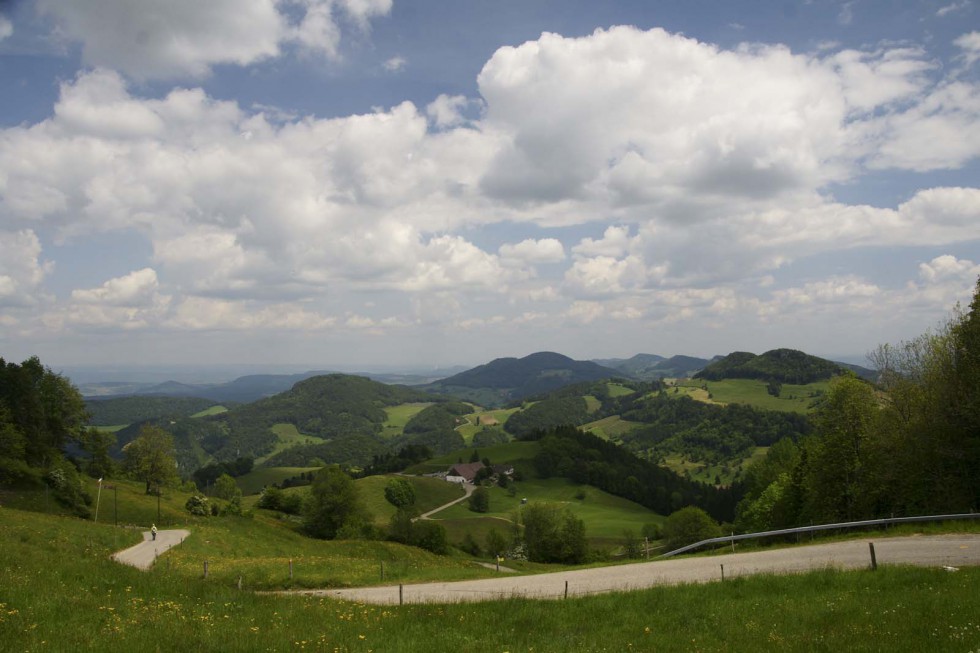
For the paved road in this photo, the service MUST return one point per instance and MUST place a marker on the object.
(143, 554)
(926, 551)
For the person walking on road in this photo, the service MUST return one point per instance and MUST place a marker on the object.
(153, 531)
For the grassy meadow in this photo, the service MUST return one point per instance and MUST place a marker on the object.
(710, 472)
(605, 516)
(255, 480)
(398, 417)
(792, 398)
(59, 591)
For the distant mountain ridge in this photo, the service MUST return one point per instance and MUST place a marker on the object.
(243, 389)
(650, 367)
(508, 379)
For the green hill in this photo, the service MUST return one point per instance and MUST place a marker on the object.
(508, 379)
(778, 365)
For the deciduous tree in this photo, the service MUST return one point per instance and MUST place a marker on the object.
(151, 458)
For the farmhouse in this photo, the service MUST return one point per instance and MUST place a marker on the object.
(463, 472)
(468, 472)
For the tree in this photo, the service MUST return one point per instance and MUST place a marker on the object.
(480, 500)
(226, 488)
(98, 443)
(837, 487)
(497, 543)
(150, 458)
(689, 525)
(553, 533)
(334, 503)
(400, 493)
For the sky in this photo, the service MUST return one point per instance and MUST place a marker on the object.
(423, 183)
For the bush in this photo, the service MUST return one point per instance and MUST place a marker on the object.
(68, 489)
(470, 545)
(198, 505)
(689, 525)
(430, 536)
(480, 500)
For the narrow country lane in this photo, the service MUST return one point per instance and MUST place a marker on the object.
(926, 551)
(143, 554)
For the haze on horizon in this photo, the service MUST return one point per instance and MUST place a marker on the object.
(334, 184)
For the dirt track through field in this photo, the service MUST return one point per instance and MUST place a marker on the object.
(926, 551)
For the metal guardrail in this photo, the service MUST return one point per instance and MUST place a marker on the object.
(820, 527)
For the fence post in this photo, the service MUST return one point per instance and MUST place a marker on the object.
(205, 569)
(566, 589)
(382, 570)
(874, 561)
(290, 569)
(723, 573)
(401, 594)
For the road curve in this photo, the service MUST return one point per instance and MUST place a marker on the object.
(925, 551)
(143, 554)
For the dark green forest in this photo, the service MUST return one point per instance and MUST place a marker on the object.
(126, 410)
(782, 365)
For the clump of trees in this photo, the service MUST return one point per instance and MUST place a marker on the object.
(552, 533)
(41, 413)
(334, 508)
(909, 446)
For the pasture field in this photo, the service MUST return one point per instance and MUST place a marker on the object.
(429, 493)
(792, 398)
(255, 480)
(287, 436)
(471, 428)
(708, 473)
(617, 390)
(592, 404)
(115, 428)
(511, 452)
(213, 410)
(606, 516)
(610, 428)
(59, 591)
(398, 417)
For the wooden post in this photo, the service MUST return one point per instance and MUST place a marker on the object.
(382, 570)
(723, 573)
(733, 542)
(646, 546)
(290, 569)
(874, 560)
(205, 569)
(566, 589)
(239, 582)
(401, 594)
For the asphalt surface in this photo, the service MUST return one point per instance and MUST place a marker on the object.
(926, 551)
(143, 554)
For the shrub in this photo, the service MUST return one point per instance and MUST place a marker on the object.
(198, 505)
(689, 525)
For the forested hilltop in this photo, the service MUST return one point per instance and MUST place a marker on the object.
(779, 365)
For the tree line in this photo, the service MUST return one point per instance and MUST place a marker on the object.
(909, 445)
